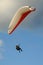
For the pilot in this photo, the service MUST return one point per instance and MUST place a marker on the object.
(18, 48)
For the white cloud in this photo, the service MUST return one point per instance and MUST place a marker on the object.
(1, 43)
(2, 50)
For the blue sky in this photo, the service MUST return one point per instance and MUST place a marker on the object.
(29, 36)
(31, 43)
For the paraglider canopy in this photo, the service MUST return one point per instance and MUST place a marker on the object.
(19, 17)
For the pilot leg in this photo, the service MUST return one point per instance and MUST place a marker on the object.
(20, 49)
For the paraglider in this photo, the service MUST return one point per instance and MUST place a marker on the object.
(18, 48)
(19, 17)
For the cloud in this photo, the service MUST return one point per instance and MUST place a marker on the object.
(38, 19)
(1, 43)
(2, 50)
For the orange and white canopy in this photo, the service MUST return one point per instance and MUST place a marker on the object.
(19, 17)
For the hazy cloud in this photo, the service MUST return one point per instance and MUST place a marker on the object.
(2, 50)
(1, 43)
